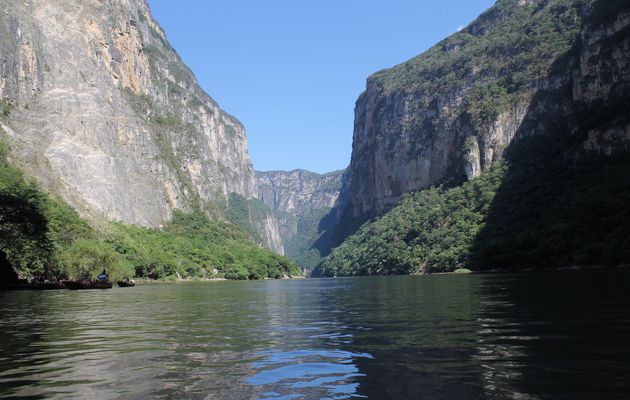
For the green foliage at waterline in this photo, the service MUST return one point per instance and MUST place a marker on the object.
(543, 207)
(432, 230)
(193, 246)
(43, 236)
(554, 209)
(23, 224)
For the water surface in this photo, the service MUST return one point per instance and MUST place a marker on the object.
(529, 336)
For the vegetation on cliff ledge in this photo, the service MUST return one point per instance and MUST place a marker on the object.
(522, 39)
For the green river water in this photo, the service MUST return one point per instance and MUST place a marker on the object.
(563, 335)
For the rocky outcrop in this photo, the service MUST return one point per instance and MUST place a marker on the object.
(270, 231)
(522, 68)
(100, 109)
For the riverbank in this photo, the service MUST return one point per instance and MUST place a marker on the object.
(144, 281)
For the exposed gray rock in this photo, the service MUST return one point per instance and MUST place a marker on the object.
(299, 190)
(293, 194)
(103, 112)
(270, 231)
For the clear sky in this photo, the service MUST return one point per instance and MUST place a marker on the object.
(291, 70)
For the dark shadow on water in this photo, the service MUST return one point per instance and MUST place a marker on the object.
(555, 335)
(547, 335)
(420, 337)
(23, 343)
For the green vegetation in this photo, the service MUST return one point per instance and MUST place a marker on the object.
(192, 245)
(524, 40)
(43, 236)
(150, 50)
(432, 230)
(550, 204)
(499, 56)
(541, 208)
(6, 107)
(247, 214)
(556, 210)
(300, 248)
(90, 257)
(485, 103)
(23, 224)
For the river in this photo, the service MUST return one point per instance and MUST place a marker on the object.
(560, 335)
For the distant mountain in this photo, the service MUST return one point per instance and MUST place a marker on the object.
(543, 85)
(299, 199)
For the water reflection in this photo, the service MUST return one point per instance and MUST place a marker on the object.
(310, 373)
(440, 337)
(555, 335)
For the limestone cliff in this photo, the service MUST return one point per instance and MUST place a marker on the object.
(100, 109)
(299, 199)
(522, 68)
(298, 192)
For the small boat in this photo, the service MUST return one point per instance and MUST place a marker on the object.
(87, 284)
(126, 283)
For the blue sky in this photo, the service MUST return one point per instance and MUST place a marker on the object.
(291, 70)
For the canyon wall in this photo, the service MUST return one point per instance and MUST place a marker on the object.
(99, 109)
(522, 68)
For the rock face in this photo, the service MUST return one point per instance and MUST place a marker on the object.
(299, 199)
(100, 109)
(522, 68)
(270, 232)
(299, 191)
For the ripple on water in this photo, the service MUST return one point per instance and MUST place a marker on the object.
(316, 373)
(473, 337)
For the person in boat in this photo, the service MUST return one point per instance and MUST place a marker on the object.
(103, 276)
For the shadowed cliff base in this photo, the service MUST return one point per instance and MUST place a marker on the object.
(564, 200)
(550, 212)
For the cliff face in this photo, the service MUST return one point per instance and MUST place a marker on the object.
(522, 68)
(100, 109)
(298, 191)
(295, 194)
(299, 199)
